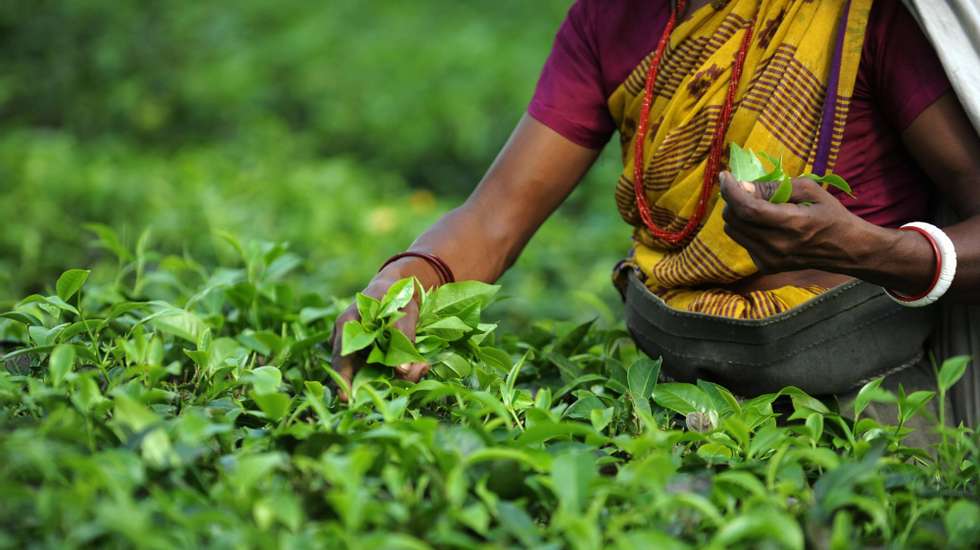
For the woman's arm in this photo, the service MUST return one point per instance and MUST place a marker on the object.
(824, 235)
(534, 172)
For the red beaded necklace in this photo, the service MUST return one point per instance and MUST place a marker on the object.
(717, 140)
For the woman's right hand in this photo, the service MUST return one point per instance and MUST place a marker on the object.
(533, 174)
(347, 365)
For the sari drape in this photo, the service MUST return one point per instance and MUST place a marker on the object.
(778, 109)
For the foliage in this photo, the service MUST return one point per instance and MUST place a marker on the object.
(327, 125)
(746, 166)
(179, 406)
(177, 391)
(428, 90)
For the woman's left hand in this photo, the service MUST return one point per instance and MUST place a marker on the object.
(812, 231)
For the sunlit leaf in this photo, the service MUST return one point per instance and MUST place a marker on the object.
(354, 338)
(70, 282)
(951, 371)
(744, 165)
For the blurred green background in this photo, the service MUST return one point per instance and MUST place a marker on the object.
(341, 127)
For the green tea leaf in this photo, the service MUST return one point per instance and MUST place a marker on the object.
(783, 192)
(962, 522)
(913, 403)
(642, 377)
(397, 297)
(776, 174)
(601, 418)
(178, 322)
(22, 318)
(760, 525)
(681, 398)
(572, 474)
(583, 407)
(447, 328)
(61, 362)
(868, 393)
(460, 366)
(814, 423)
(274, 405)
(265, 380)
(70, 282)
(454, 298)
(642, 380)
(367, 307)
(832, 180)
(952, 370)
(744, 165)
(354, 338)
(401, 350)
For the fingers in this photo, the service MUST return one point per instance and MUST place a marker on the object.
(807, 190)
(751, 207)
(412, 372)
(764, 190)
(408, 324)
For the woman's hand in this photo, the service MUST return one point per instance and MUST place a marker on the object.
(347, 365)
(815, 231)
(533, 174)
(812, 231)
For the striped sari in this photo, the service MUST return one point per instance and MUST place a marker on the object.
(791, 69)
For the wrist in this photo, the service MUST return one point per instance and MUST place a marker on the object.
(900, 260)
(409, 267)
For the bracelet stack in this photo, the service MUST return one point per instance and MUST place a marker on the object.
(945, 271)
(438, 265)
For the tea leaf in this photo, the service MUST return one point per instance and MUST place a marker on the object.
(70, 282)
(868, 393)
(274, 405)
(572, 475)
(744, 165)
(832, 180)
(401, 350)
(783, 192)
(265, 380)
(367, 307)
(453, 298)
(61, 362)
(397, 297)
(951, 371)
(681, 398)
(354, 338)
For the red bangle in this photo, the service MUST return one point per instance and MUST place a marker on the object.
(939, 266)
(440, 267)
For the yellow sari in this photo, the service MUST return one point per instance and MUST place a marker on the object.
(777, 109)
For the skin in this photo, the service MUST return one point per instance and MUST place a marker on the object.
(820, 243)
(826, 241)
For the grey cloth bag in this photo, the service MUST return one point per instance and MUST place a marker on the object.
(828, 345)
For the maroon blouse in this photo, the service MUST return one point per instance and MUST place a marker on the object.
(602, 41)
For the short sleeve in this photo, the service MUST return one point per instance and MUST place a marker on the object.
(569, 97)
(907, 74)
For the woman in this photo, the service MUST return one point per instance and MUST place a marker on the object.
(721, 282)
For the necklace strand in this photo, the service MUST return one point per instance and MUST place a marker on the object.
(717, 139)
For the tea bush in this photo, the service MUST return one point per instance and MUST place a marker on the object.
(177, 391)
(166, 404)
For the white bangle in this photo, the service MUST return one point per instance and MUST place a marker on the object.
(946, 266)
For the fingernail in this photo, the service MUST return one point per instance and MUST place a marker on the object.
(404, 368)
(748, 186)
